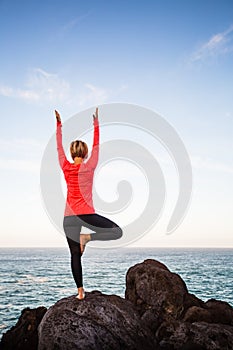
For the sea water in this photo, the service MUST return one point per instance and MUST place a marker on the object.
(32, 277)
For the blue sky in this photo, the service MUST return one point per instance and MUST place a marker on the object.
(174, 57)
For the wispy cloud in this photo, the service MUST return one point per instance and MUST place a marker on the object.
(218, 44)
(208, 164)
(18, 93)
(65, 29)
(40, 86)
(44, 87)
(92, 95)
(72, 23)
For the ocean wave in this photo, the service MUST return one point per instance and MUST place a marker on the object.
(66, 290)
(6, 306)
(32, 278)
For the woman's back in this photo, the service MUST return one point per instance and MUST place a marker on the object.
(79, 179)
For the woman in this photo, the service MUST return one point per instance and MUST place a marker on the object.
(79, 210)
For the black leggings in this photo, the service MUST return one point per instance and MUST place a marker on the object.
(104, 228)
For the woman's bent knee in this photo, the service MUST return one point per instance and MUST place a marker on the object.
(117, 232)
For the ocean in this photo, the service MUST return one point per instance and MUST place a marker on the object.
(32, 277)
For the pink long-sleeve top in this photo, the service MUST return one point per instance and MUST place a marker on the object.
(79, 177)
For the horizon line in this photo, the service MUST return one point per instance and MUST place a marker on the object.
(142, 247)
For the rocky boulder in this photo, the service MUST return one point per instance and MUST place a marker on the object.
(150, 285)
(99, 321)
(178, 335)
(178, 319)
(24, 335)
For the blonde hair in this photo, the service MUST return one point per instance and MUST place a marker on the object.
(78, 148)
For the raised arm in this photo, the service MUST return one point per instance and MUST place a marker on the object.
(93, 160)
(61, 154)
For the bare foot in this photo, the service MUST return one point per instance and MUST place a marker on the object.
(84, 239)
(81, 293)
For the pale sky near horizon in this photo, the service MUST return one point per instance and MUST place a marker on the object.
(173, 57)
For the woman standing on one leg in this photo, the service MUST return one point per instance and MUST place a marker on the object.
(79, 210)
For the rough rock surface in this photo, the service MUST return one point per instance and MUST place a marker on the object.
(178, 319)
(151, 286)
(24, 336)
(157, 313)
(194, 336)
(99, 321)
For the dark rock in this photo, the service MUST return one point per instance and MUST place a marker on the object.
(213, 311)
(221, 311)
(151, 286)
(99, 321)
(192, 300)
(23, 336)
(197, 314)
(174, 315)
(200, 335)
(213, 336)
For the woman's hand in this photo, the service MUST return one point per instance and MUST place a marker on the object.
(95, 116)
(58, 116)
